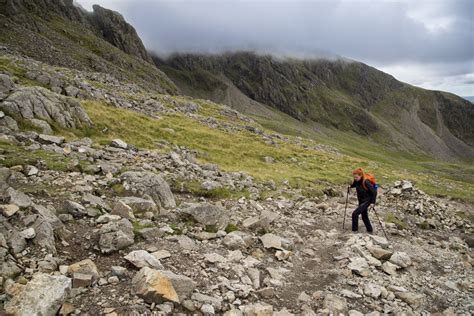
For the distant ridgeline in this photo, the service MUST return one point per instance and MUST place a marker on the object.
(337, 93)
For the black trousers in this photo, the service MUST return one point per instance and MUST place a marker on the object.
(362, 209)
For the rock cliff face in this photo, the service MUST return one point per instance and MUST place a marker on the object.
(59, 33)
(110, 25)
(115, 30)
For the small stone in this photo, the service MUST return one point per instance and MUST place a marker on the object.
(335, 304)
(413, 299)
(258, 309)
(359, 266)
(66, 309)
(389, 268)
(81, 280)
(28, 233)
(113, 280)
(303, 297)
(207, 310)
(380, 253)
(118, 143)
(86, 266)
(30, 171)
(119, 271)
(373, 290)
(9, 209)
(142, 258)
(157, 286)
(75, 209)
(401, 259)
(18, 198)
(50, 139)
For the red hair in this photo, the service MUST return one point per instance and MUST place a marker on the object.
(359, 172)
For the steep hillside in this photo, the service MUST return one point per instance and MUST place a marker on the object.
(339, 94)
(59, 33)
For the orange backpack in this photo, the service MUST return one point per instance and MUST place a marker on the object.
(371, 178)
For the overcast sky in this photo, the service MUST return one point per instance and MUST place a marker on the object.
(429, 43)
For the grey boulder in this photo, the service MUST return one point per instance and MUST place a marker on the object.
(149, 183)
(40, 103)
(43, 295)
(208, 214)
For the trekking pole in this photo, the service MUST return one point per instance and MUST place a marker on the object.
(373, 208)
(345, 209)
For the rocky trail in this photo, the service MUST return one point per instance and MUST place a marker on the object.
(149, 249)
(111, 229)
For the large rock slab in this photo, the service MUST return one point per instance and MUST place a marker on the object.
(157, 286)
(359, 266)
(44, 235)
(43, 295)
(116, 235)
(208, 214)
(380, 253)
(335, 305)
(270, 240)
(260, 221)
(413, 299)
(139, 205)
(149, 183)
(86, 266)
(18, 198)
(40, 103)
(401, 259)
(142, 258)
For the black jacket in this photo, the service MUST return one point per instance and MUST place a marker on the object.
(363, 195)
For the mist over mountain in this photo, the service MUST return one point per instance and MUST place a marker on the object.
(425, 43)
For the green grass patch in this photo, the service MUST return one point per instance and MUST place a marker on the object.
(211, 229)
(194, 187)
(14, 155)
(231, 228)
(137, 226)
(392, 218)
(310, 170)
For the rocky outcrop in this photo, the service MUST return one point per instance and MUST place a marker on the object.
(116, 235)
(43, 295)
(156, 286)
(115, 30)
(150, 184)
(109, 24)
(31, 103)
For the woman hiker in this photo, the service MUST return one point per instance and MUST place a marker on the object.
(366, 194)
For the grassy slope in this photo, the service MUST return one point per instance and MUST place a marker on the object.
(244, 151)
(306, 168)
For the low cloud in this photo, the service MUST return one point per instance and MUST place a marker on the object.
(417, 41)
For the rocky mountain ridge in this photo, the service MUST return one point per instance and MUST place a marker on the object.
(108, 24)
(59, 33)
(339, 94)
